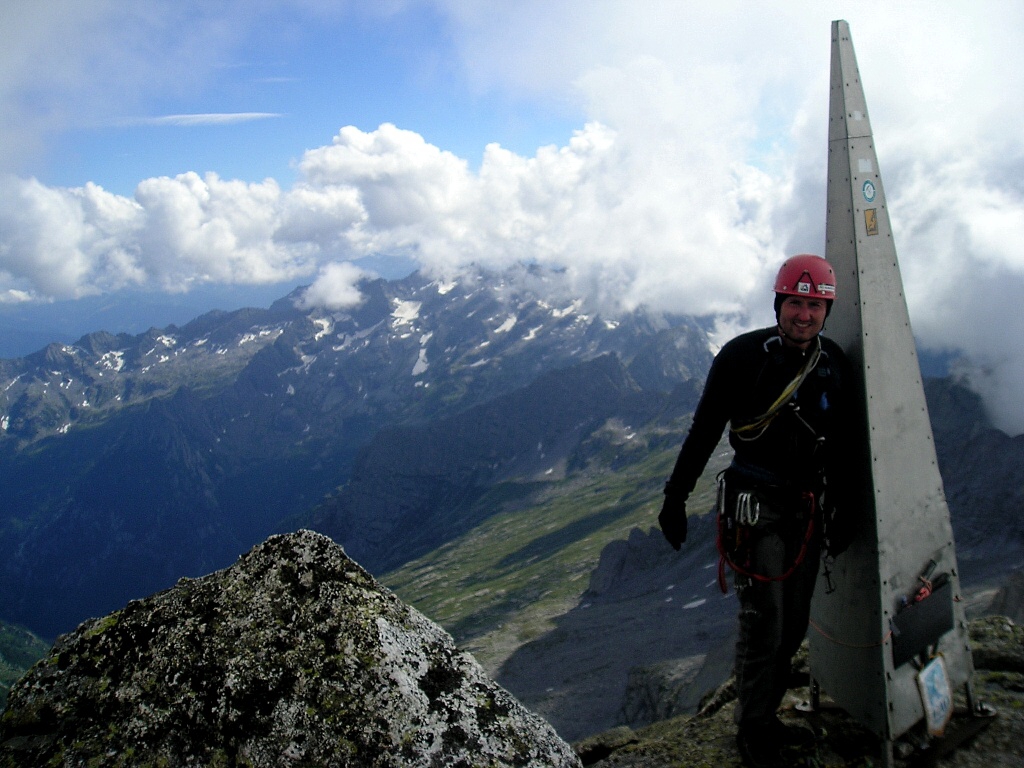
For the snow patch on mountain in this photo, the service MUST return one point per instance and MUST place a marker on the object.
(324, 324)
(405, 312)
(573, 308)
(532, 334)
(112, 361)
(421, 365)
(262, 335)
(508, 325)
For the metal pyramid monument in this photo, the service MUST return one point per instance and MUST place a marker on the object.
(895, 603)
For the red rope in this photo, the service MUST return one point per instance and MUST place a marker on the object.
(724, 558)
(837, 641)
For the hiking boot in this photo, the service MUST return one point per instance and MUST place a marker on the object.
(788, 735)
(758, 749)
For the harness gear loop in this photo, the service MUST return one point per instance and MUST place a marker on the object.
(748, 509)
(762, 422)
(742, 532)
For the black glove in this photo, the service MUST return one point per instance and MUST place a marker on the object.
(672, 519)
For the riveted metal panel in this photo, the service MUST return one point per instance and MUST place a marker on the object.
(900, 505)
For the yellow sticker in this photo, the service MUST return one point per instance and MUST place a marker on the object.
(871, 221)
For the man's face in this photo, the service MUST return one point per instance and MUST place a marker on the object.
(801, 319)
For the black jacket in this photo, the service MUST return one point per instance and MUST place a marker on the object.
(809, 437)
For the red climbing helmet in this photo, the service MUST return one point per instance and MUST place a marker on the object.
(806, 275)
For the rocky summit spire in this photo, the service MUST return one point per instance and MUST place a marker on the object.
(292, 656)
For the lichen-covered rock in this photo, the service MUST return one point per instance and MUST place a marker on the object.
(707, 738)
(997, 643)
(293, 656)
(1009, 599)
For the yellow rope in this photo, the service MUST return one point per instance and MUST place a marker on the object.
(761, 422)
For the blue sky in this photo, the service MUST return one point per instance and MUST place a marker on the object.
(286, 79)
(176, 154)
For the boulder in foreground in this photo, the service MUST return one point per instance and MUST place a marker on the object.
(293, 656)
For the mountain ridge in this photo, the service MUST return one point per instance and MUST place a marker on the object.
(502, 437)
(263, 411)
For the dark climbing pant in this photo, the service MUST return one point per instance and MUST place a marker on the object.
(773, 621)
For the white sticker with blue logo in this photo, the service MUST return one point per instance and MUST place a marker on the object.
(869, 190)
(936, 695)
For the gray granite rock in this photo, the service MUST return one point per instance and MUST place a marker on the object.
(293, 656)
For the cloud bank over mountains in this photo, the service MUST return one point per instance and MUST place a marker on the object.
(697, 167)
(621, 220)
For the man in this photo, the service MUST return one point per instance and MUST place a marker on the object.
(785, 392)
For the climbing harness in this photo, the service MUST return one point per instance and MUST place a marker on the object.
(734, 534)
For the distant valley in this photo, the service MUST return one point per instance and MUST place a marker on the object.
(130, 461)
(494, 456)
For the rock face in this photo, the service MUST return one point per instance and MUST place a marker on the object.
(293, 656)
(650, 637)
(983, 479)
(408, 486)
(1009, 600)
(707, 737)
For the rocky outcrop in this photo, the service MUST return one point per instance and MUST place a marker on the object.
(293, 656)
(707, 737)
(19, 650)
(1009, 599)
(983, 480)
(648, 639)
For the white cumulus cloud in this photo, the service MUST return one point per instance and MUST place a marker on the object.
(697, 165)
(335, 287)
(65, 243)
